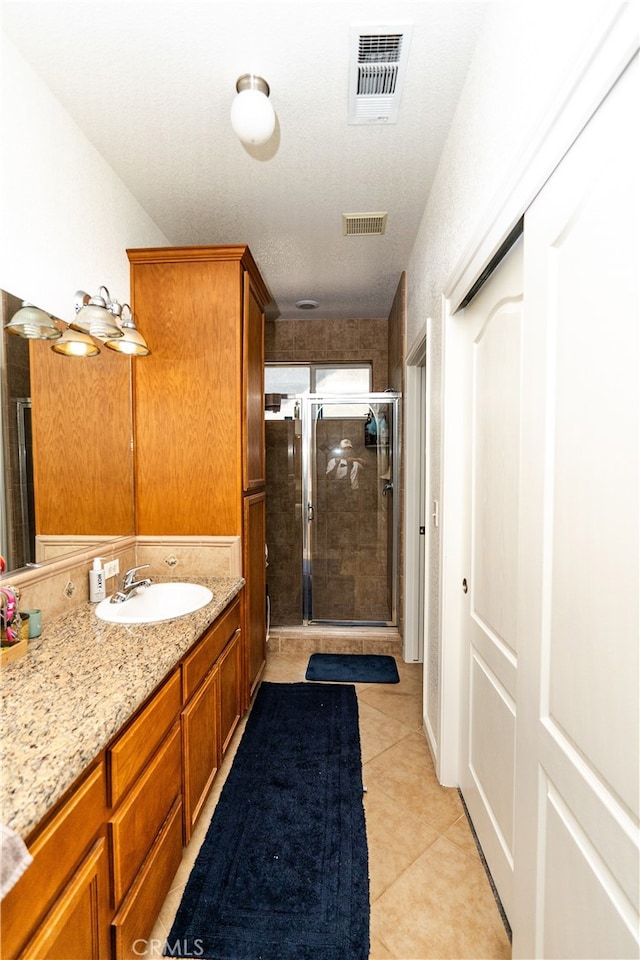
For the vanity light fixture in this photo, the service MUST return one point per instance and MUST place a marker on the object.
(132, 341)
(96, 315)
(72, 343)
(252, 116)
(32, 323)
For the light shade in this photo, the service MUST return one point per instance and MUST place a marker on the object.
(132, 341)
(252, 116)
(32, 323)
(94, 317)
(72, 343)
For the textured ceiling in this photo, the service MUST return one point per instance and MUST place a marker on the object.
(151, 85)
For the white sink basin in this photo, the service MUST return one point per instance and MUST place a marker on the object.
(160, 601)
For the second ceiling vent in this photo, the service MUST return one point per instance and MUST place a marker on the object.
(377, 67)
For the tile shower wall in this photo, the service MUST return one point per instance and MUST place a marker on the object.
(342, 341)
(284, 520)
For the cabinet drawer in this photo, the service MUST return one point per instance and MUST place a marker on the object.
(198, 663)
(138, 913)
(56, 852)
(131, 751)
(135, 825)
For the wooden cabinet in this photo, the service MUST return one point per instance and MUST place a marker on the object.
(199, 408)
(256, 589)
(76, 927)
(200, 749)
(104, 859)
(60, 905)
(230, 682)
(211, 680)
(145, 790)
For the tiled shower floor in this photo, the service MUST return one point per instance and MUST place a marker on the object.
(430, 896)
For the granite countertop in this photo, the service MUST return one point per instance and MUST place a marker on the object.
(75, 688)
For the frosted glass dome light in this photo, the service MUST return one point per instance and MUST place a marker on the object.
(252, 116)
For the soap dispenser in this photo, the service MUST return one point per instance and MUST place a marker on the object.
(97, 589)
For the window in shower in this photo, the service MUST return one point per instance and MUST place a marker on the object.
(286, 384)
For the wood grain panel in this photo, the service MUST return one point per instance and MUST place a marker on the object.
(81, 420)
(188, 398)
(130, 752)
(56, 851)
(200, 749)
(77, 928)
(253, 390)
(142, 905)
(136, 824)
(255, 590)
(199, 662)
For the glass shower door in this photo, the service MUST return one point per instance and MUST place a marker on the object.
(350, 535)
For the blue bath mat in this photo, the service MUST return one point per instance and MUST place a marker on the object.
(283, 871)
(352, 668)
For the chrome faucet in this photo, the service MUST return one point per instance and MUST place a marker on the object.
(130, 584)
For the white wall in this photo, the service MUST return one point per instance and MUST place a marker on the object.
(524, 54)
(66, 217)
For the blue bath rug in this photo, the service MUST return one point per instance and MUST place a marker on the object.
(283, 871)
(352, 668)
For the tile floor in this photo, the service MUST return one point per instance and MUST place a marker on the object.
(430, 896)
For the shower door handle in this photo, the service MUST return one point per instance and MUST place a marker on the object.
(309, 512)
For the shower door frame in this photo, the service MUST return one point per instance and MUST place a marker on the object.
(307, 404)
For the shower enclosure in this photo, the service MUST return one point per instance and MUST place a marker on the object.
(332, 511)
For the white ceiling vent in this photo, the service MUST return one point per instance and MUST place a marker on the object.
(363, 224)
(377, 66)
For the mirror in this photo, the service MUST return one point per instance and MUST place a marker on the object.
(67, 452)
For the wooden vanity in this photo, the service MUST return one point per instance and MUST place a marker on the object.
(106, 852)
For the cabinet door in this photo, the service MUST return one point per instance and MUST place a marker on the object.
(200, 751)
(77, 927)
(253, 468)
(187, 396)
(230, 680)
(57, 852)
(255, 595)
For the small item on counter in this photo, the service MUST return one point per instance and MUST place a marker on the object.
(97, 588)
(9, 617)
(24, 625)
(35, 623)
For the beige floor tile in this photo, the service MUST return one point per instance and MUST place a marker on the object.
(378, 951)
(396, 700)
(460, 834)
(378, 731)
(395, 839)
(405, 773)
(430, 896)
(286, 668)
(441, 907)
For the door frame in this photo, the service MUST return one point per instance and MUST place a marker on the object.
(416, 463)
(612, 46)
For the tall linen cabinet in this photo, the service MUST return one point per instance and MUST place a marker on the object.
(198, 410)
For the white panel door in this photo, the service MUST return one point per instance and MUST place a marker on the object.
(577, 777)
(492, 325)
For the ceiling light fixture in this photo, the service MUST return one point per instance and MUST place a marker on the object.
(32, 323)
(307, 304)
(252, 116)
